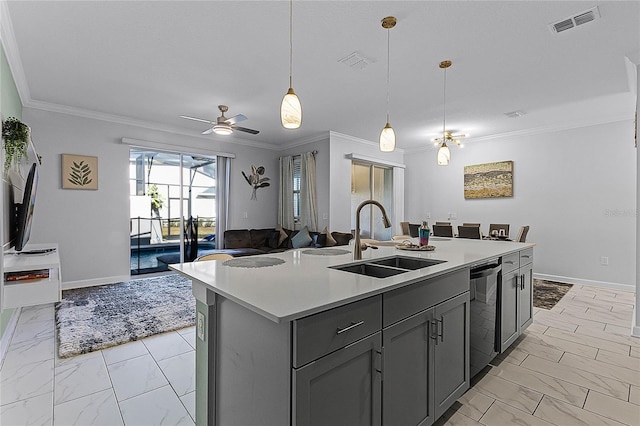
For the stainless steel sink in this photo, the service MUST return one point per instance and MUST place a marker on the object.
(404, 262)
(370, 270)
(387, 266)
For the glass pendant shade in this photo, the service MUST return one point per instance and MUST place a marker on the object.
(291, 110)
(387, 139)
(444, 155)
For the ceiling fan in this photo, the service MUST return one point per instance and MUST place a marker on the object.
(224, 125)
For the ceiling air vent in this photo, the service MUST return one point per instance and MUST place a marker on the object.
(356, 61)
(575, 21)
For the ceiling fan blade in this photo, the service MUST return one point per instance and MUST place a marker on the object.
(197, 119)
(208, 131)
(236, 118)
(244, 129)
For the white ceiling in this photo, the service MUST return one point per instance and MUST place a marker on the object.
(148, 62)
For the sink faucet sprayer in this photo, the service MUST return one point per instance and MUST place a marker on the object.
(357, 250)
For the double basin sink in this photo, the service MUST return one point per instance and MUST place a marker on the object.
(387, 266)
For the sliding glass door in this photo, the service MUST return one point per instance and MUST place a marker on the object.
(172, 208)
(369, 181)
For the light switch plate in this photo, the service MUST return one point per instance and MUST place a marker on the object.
(200, 326)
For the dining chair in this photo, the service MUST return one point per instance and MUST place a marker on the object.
(404, 227)
(522, 234)
(443, 223)
(214, 256)
(472, 232)
(498, 227)
(471, 224)
(442, 230)
(413, 229)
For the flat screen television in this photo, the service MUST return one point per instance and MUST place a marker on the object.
(23, 212)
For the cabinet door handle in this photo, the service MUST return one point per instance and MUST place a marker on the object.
(441, 332)
(434, 330)
(522, 281)
(349, 327)
(517, 278)
(381, 371)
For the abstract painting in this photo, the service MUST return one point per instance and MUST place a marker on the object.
(489, 180)
(79, 172)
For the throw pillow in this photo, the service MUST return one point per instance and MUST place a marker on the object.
(342, 238)
(330, 241)
(301, 239)
(283, 235)
(274, 239)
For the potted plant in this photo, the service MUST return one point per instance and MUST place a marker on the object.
(15, 135)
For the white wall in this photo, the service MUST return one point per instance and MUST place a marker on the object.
(92, 227)
(340, 215)
(575, 188)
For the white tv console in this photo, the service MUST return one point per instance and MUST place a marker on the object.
(32, 291)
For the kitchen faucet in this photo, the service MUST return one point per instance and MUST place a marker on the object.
(357, 250)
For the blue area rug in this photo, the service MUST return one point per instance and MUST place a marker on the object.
(94, 318)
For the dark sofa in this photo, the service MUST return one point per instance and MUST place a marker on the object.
(247, 242)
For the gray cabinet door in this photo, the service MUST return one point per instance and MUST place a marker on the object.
(342, 388)
(526, 296)
(509, 323)
(407, 397)
(451, 367)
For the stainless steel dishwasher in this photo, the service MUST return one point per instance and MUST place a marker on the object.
(484, 320)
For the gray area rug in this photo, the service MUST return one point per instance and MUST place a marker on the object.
(547, 293)
(94, 318)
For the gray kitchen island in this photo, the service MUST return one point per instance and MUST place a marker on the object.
(320, 339)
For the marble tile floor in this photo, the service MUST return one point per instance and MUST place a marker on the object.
(146, 382)
(576, 365)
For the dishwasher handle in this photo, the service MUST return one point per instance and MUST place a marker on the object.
(485, 271)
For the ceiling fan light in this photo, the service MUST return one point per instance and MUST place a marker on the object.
(291, 110)
(387, 139)
(444, 155)
(222, 129)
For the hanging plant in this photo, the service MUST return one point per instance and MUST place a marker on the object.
(15, 135)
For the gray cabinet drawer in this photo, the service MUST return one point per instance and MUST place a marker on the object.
(406, 301)
(510, 262)
(526, 256)
(325, 332)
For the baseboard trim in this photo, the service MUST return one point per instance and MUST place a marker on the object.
(635, 327)
(581, 281)
(68, 285)
(8, 334)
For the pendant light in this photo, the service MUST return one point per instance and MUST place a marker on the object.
(444, 153)
(387, 135)
(291, 109)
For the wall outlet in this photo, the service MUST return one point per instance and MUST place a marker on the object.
(245, 215)
(453, 216)
(325, 216)
(200, 326)
(428, 215)
(604, 260)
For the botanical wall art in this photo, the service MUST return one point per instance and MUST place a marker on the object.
(255, 180)
(79, 172)
(489, 180)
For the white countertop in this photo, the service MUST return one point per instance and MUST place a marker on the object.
(304, 284)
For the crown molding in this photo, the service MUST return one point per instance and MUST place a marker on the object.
(127, 121)
(12, 53)
(304, 141)
(534, 131)
(360, 140)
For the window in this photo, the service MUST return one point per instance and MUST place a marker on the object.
(296, 188)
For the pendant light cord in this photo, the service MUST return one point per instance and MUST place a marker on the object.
(388, 72)
(444, 101)
(290, 42)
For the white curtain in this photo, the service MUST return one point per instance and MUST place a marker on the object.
(223, 169)
(308, 197)
(285, 194)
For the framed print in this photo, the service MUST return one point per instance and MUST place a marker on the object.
(79, 172)
(489, 180)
